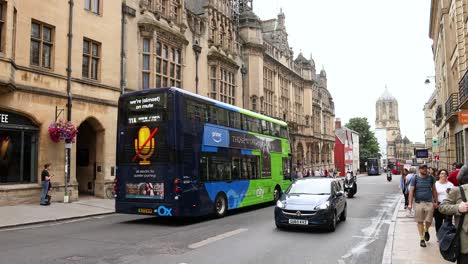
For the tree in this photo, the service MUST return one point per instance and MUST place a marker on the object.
(368, 145)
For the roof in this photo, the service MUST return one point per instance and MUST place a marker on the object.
(386, 96)
(217, 103)
(196, 6)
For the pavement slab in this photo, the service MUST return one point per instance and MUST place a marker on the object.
(27, 214)
(406, 249)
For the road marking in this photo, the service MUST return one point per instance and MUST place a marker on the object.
(217, 238)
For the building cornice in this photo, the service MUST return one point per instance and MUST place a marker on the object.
(56, 94)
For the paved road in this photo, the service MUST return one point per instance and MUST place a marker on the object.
(246, 236)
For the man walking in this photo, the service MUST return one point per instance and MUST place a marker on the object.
(423, 192)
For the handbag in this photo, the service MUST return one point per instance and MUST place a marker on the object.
(449, 237)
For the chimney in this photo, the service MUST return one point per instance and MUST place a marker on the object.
(337, 123)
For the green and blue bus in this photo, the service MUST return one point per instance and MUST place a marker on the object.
(182, 154)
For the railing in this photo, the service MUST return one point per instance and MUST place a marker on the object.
(463, 88)
(451, 106)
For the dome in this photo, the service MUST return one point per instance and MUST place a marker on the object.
(386, 96)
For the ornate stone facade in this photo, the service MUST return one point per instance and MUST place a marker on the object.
(216, 48)
(448, 31)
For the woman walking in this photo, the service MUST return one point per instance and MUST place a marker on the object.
(454, 205)
(403, 186)
(443, 187)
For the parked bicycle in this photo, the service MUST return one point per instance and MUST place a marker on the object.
(110, 190)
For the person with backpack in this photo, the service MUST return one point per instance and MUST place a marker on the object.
(454, 205)
(424, 194)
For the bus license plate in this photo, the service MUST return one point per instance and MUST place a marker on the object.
(145, 211)
(298, 222)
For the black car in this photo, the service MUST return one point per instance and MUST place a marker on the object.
(312, 202)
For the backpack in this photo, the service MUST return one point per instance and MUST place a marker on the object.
(449, 236)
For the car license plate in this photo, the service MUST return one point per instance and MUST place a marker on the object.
(298, 222)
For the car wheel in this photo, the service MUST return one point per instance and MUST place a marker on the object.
(220, 206)
(278, 226)
(276, 194)
(332, 224)
(343, 215)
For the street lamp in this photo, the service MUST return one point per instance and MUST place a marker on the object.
(197, 49)
(427, 81)
(243, 72)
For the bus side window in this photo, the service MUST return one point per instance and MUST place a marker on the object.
(223, 117)
(255, 125)
(265, 129)
(204, 176)
(236, 168)
(255, 167)
(245, 172)
(245, 122)
(277, 129)
(235, 120)
(213, 115)
(195, 111)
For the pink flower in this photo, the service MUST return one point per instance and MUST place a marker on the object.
(63, 130)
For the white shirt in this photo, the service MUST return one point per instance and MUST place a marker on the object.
(442, 190)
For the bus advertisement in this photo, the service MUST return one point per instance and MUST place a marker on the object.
(181, 154)
(373, 166)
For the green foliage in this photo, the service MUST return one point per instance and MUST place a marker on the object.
(368, 145)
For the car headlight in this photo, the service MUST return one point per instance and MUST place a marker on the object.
(323, 206)
(280, 204)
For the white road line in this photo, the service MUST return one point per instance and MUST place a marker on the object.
(216, 238)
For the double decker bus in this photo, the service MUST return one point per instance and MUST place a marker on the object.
(182, 154)
(373, 166)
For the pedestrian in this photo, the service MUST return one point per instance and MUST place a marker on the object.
(443, 187)
(433, 171)
(453, 175)
(326, 173)
(424, 195)
(403, 186)
(45, 179)
(299, 174)
(294, 174)
(454, 205)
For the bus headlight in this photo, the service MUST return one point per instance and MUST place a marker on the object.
(280, 204)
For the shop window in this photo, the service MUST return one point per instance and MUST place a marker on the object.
(18, 149)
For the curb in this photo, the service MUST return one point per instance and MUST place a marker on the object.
(387, 255)
(57, 220)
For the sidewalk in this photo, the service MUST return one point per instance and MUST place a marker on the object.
(406, 247)
(17, 215)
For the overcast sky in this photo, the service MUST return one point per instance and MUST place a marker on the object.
(363, 46)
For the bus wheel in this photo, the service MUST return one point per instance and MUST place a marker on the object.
(220, 206)
(276, 194)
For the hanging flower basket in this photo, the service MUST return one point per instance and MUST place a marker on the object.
(63, 130)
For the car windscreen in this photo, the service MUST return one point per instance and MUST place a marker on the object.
(310, 187)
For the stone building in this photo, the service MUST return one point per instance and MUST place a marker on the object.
(398, 148)
(215, 48)
(33, 90)
(448, 31)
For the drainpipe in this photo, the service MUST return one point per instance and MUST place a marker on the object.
(123, 55)
(69, 101)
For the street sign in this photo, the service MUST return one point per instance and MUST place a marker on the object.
(436, 157)
(463, 117)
